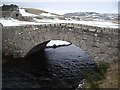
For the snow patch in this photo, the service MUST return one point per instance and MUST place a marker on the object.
(98, 23)
(90, 23)
(22, 11)
(47, 14)
(15, 22)
(50, 21)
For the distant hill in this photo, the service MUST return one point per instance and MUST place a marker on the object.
(81, 14)
(92, 16)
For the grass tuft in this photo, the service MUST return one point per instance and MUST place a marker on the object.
(92, 76)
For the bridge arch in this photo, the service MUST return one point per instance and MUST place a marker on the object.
(18, 40)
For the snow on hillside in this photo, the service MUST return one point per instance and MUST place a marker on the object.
(14, 22)
(44, 20)
(47, 14)
(55, 20)
(91, 23)
(99, 24)
(22, 11)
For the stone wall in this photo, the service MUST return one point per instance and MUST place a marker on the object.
(99, 43)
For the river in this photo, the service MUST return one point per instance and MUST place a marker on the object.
(60, 67)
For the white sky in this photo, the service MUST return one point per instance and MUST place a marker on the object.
(60, 0)
(69, 6)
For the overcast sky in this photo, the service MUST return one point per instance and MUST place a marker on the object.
(67, 6)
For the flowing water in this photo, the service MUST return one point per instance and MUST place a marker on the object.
(60, 67)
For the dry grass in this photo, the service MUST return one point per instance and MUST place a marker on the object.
(37, 11)
(34, 11)
(61, 18)
(115, 21)
(111, 80)
(55, 14)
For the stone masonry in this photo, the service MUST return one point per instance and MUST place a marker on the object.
(99, 43)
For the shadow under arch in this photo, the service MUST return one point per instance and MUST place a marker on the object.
(38, 48)
(36, 57)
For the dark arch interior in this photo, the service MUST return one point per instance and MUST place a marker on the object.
(36, 49)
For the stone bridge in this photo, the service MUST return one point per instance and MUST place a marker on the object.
(99, 43)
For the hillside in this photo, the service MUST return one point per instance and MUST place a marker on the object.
(40, 12)
(92, 16)
(35, 16)
(34, 11)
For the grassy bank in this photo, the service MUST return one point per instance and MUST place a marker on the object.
(111, 78)
(105, 75)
